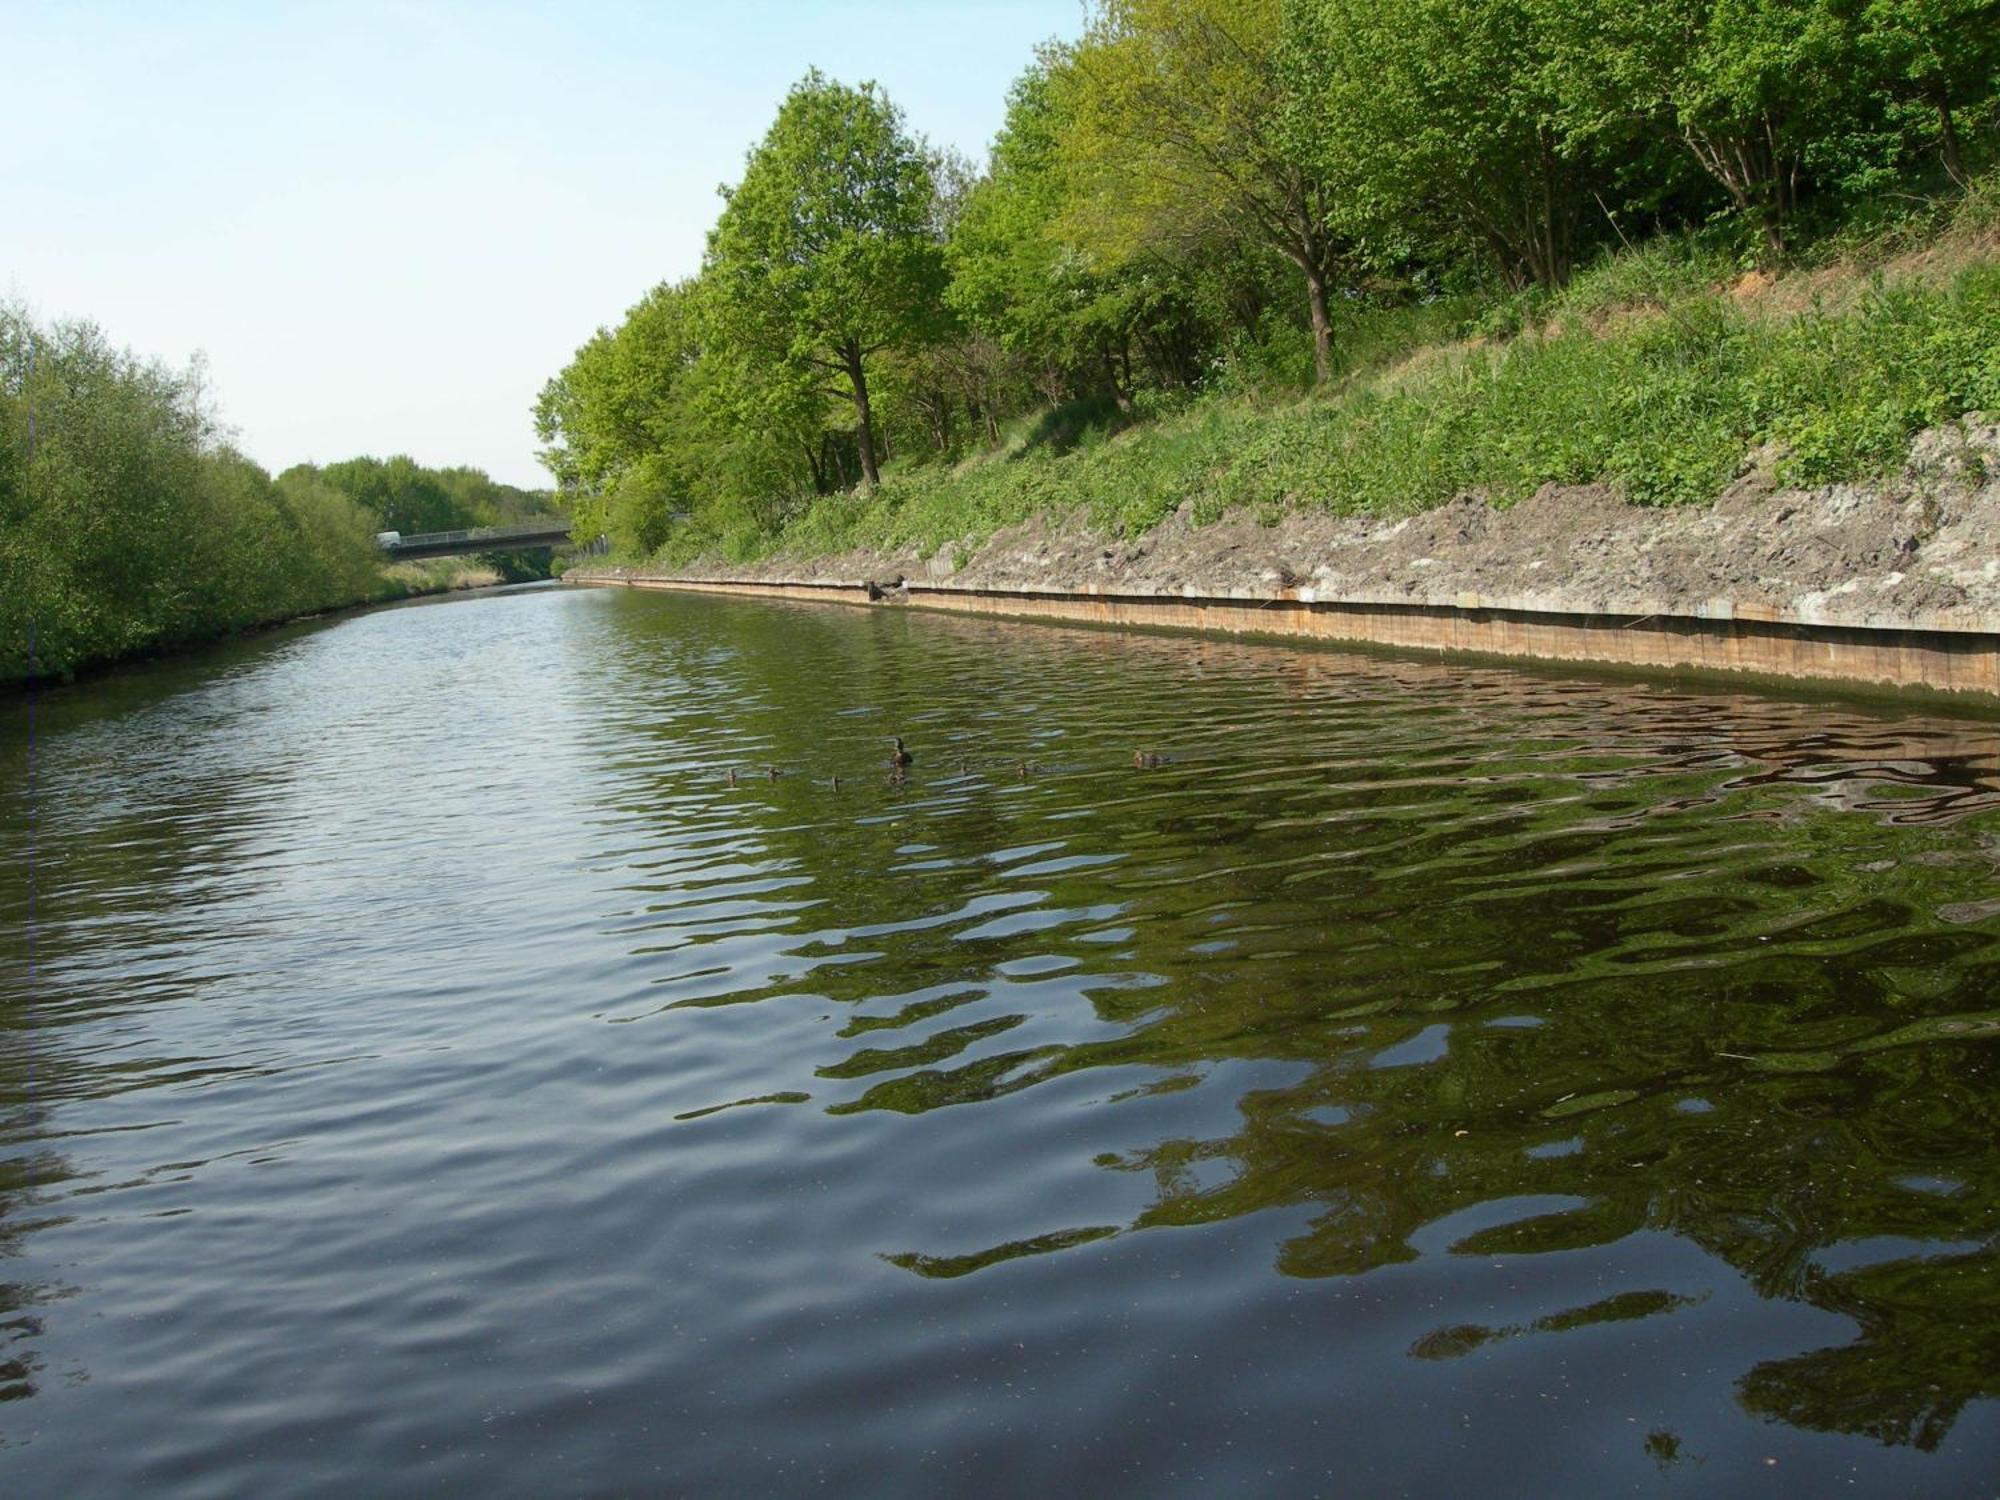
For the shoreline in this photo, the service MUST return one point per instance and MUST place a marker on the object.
(19, 687)
(1959, 665)
(1892, 584)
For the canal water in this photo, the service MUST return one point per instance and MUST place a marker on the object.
(425, 1073)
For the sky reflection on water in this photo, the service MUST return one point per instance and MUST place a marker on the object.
(436, 1071)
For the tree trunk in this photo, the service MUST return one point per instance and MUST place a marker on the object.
(1322, 325)
(1954, 163)
(1555, 229)
(864, 423)
(1777, 212)
(1755, 173)
(1118, 392)
(1246, 307)
(938, 409)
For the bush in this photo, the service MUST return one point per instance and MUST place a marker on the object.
(126, 526)
(1644, 375)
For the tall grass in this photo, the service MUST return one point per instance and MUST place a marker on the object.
(1646, 374)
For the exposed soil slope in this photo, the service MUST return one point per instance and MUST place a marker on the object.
(1921, 548)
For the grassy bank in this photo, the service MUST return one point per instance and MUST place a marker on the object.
(1658, 372)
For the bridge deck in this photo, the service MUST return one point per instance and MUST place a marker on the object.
(551, 532)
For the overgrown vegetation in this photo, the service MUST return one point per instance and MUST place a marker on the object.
(1317, 252)
(1665, 408)
(128, 524)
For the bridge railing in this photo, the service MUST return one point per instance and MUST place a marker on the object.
(552, 526)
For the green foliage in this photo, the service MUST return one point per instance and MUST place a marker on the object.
(825, 254)
(1845, 393)
(400, 494)
(520, 567)
(1665, 408)
(126, 524)
(1011, 276)
(1771, 98)
(1459, 122)
(1183, 134)
(1201, 209)
(1935, 61)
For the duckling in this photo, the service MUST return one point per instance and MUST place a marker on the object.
(772, 772)
(899, 757)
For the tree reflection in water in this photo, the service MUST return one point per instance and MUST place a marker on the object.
(1621, 948)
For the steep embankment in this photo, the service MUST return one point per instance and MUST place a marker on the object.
(1892, 584)
(1815, 452)
(1919, 549)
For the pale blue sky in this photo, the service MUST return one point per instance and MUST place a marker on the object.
(387, 222)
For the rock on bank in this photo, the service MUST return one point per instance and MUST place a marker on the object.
(1895, 581)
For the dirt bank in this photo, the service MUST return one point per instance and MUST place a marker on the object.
(1920, 549)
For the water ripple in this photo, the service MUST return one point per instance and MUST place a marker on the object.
(436, 1068)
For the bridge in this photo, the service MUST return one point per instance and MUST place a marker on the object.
(548, 531)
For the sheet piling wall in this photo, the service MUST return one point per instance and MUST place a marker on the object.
(1955, 661)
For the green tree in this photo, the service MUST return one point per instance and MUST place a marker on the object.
(489, 502)
(127, 525)
(399, 492)
(1450, 120)
(1756, 89)
(618, 425)
(1008, 270)
(1052, 305)
(1941, 57)
(826, 253)
(1181, 133)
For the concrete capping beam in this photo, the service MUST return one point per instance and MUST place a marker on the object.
(1940, 655)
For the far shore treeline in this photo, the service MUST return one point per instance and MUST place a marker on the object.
(128, 524)
(1202, 211)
